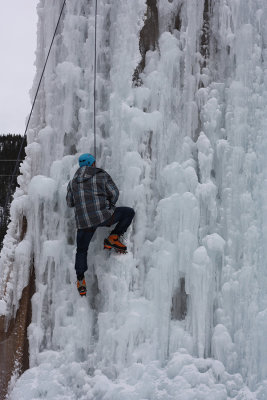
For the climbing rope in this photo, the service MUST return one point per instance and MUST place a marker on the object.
(36, 94)
(28, 122)
(95, 80)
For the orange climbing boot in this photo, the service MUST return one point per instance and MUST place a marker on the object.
(112, 242)
(81, 286)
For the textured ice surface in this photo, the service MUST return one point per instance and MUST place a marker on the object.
(187, 149)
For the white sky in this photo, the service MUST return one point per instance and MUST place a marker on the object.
(18, 19)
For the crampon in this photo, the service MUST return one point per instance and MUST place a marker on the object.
(81, 286)
(113, 242)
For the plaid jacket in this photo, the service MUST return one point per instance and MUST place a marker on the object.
(93, 194)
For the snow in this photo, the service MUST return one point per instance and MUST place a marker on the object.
(2, 307)
(41, 187)
(182, 378)
(187, 150)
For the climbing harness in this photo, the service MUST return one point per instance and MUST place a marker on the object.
(35, 97)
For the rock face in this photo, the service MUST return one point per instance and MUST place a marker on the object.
(181, 128)
(14, 346)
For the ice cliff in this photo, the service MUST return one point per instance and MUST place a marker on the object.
(182, 129)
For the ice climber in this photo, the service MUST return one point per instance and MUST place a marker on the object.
(93, 194)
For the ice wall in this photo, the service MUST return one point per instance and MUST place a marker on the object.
(183, 134)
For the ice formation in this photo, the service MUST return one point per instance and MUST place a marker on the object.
(181, 128)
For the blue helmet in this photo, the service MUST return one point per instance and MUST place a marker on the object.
(86, 160)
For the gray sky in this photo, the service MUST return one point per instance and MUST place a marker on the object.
(18, 19)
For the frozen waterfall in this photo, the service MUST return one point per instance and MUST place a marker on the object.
(182, 130)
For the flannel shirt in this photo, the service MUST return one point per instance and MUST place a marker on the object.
(93, 195)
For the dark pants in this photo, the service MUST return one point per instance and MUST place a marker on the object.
(122, 216)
